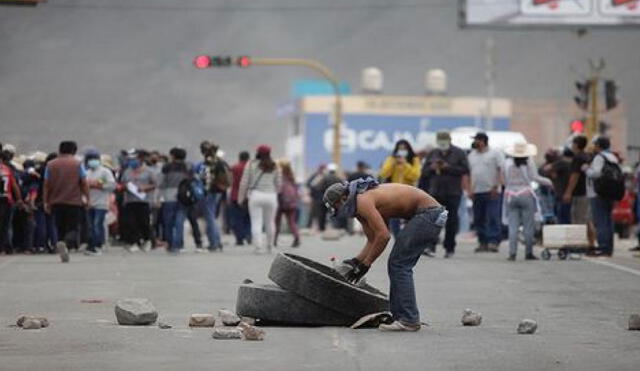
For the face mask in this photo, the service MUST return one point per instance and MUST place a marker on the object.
(134, 163)
(402, 153)
(93, 163)
(443, 145)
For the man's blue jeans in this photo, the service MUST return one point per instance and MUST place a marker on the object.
(486, 217)
(173, 214)
(601, 210)
(421, 230)
(210, 206)
(240, 222)
(96, 228)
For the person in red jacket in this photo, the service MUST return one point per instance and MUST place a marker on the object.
(9, 196)
(239, 214)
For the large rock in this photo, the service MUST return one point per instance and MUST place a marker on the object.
(221, 333)
(634, 322)
(527, 326)
(251, 332)
(31, 324)
(202, 320)
(228, 318)
(44, 322)
(135, 311)
(471, 318)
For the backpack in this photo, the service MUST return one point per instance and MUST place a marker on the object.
(288, 196)
(190, 192)
(610, 185)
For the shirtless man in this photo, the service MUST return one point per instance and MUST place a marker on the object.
(373, 205)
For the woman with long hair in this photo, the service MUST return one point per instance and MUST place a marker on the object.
(260, 184)
(402, 166)
(288, 203)
(520, 204)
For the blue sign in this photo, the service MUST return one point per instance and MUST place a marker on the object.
(371, 138)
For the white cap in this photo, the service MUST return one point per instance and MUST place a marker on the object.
(332, 167)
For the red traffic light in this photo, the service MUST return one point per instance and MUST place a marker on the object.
(244, 61)
(577, 126)
(202, 61)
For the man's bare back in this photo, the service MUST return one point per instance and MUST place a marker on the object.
(394, 200)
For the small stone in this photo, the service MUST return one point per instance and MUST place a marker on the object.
(202, 320)
(164, 326)
(634, 322)
(527, 326)
(251, 332)
(247, 281)
(221, 333)
(471, 318)
(248, 320)
(31, 324)
(44, 322)
(228, 318)
(135, 311)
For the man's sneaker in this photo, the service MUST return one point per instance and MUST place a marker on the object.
(493, 247)
(637, 248)
(531, 257)
(481, 248)
(63, 251)
(399, 326)
(200, 250)
(511, 258)
(448, 254)
(429, 253)
(146, 246)
(131, 248)
(93, 252)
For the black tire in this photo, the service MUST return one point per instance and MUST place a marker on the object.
(563, 254)
(275, 306)
(546, 254)
(324, 286)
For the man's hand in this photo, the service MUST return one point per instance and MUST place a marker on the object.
(352, 270)
(47, 208)
(566, 198)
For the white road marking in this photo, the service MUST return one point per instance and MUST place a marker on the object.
(615, 266)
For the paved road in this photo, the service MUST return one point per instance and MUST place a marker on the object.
(581, 307)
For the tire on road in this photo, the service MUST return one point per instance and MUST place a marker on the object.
(273, 305)
(324, 286)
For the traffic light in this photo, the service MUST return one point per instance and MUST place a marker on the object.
(577, 126)
(610, 90)
(582, 99)
(209, 61)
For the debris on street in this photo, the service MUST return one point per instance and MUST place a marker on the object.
(527, 326)
(135, 312)
(202, 320)
(471, 318)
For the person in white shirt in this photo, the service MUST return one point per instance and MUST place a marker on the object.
(101, 183)
(485, 164)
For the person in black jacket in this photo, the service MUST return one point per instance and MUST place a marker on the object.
(442, 171)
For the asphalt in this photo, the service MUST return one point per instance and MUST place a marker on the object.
(582, 307)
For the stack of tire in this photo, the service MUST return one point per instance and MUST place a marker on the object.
(307, 293)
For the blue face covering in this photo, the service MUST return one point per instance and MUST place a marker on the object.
(93, 163)
(135, 163)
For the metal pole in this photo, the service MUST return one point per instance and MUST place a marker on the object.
(324, 71)
(490, 82)
(593, 121)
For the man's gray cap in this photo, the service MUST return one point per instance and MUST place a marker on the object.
(335, 192)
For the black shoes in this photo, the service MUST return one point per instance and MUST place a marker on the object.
(531, 257)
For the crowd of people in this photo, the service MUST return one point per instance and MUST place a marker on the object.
(69, 201)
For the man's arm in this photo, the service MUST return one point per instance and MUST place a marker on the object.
(460, 166)
(573, 181)
(375, 229)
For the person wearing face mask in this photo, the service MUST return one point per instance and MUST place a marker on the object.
(444, 168)
(138, 183)
(403, 166)
(101, 183)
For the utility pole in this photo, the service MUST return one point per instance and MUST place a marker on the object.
(593, 119)
(489, 76)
